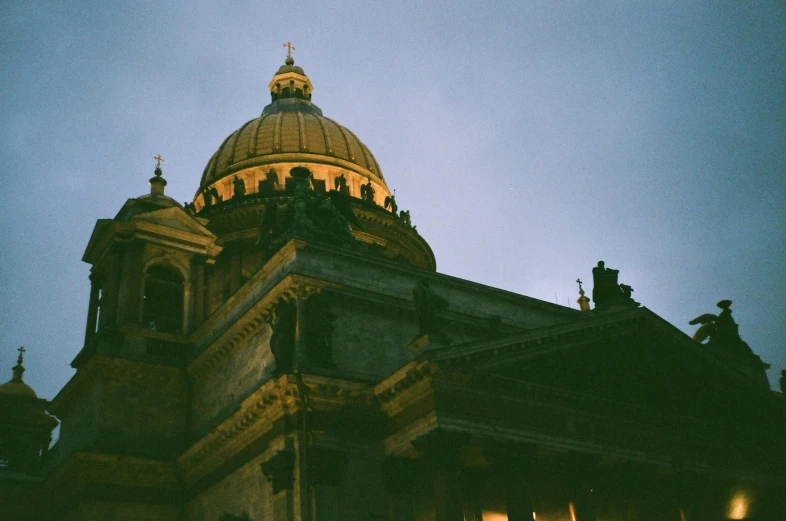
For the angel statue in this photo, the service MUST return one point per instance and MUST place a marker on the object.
(367, 192)
(390, 202)
(721, 329)
(707, 328)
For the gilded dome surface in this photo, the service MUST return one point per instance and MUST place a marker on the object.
(291, 128)
(15, 386)
(17, 389)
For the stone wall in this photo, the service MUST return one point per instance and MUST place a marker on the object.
(144, 416)
(217, 391)
(244, 491)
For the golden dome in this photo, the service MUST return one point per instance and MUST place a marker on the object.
(290, 129)
(16, 386)
(18, 389)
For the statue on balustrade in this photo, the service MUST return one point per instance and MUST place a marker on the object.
(211, 196)
(268, 186)
(607, 292)
(390, 202)
(283, 320)
(721, 330)
(341, 184)
(367, 192)
(238, 187)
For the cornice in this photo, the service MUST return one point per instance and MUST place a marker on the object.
(86, 468)
(252, 320)
(537, 341)
(261, 411)
(110, 368)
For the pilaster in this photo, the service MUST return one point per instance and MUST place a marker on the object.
(441, 456)
(280, 472)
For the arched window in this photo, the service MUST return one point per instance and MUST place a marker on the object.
(163, 301)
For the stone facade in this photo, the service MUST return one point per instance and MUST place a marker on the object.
(337, 375)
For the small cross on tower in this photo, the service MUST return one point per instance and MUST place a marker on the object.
(580, 283)
(289, 47)
(21, 353)
(159, 160)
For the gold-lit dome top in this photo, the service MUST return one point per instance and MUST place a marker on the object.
(16, 386)
(291, 128)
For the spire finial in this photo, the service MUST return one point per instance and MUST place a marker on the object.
(18, 370)
(289, 47)
(157, 183)
(159, 160)
(582, 301)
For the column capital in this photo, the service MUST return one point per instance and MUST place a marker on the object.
(279, 470)
(441, 447)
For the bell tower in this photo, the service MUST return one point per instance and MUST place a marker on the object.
(147, 288)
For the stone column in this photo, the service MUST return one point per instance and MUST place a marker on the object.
(301, 360)
(130, 296)
(327, 468)
(657, 497)
(441, 456)
(700, 497)
(514, 463)
(400, 475)
(92, 309)
(581, 473)
(111, 289)
(186, 324)
(198, 275)
(279, 470)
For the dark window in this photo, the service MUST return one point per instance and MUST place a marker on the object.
(163, 305)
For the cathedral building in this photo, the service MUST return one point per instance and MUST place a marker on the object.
(283, 348)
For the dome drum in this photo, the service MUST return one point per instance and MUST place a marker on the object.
(273, 178)
(254, 165)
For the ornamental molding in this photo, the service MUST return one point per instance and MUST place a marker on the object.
(536, 342)
(260, 412)
(100, 367)
(253, 320)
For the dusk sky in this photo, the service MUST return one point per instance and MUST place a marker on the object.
(528, 140)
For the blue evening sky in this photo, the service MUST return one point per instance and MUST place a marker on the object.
(528, 139)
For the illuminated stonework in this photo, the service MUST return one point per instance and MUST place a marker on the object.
(290, 132)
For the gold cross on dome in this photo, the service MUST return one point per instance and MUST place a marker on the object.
(580, 283)
(289, 48)
(158, 159)
(21, 352)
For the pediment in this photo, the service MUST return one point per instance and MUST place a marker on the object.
(174, 218)
(633, 357)
(171, 227)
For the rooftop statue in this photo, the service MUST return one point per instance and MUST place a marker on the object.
(427, 306)
(282, 320)
(607, 291)
(367, 192)
(238, 187)
(721, 330)
(341, 184)
(390, 202)
(307, 214)
(268, 186)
